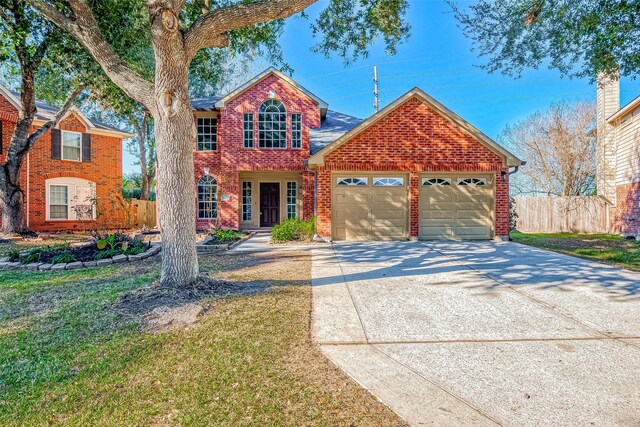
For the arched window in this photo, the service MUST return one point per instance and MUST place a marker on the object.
(272, 125)
(207, 198)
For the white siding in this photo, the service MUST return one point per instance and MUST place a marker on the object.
(627, 135)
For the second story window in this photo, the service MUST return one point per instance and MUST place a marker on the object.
(71, 146)
(272, 125)
(247, 130)
(296, 131)
(207, 134)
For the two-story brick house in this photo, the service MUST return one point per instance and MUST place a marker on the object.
(271, 150)
(72, 176)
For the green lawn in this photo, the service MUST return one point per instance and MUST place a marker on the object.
(607, 248)
(67, 357)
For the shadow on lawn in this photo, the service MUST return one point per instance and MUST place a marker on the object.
(473, 263)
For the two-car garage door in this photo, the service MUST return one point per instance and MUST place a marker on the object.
(376, 207)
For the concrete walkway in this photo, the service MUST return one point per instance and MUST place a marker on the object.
(261, 242)
(482, 333)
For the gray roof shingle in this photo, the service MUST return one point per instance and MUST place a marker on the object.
(332, 127)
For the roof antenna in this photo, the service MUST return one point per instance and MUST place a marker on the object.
(375, 88)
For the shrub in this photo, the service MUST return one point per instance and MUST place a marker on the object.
(13, 255)
(137, 247)
(32, 255)
(63, 258)
(107, 253)
(294, 229)
(226, 235)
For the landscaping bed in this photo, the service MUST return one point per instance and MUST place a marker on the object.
(220, 239)
(102, 249)
(606, 248)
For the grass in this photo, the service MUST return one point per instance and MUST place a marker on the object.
(606, 248)
(68, 358)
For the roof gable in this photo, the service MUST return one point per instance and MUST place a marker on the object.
(257, 79)
(508, 158)
(46, 112)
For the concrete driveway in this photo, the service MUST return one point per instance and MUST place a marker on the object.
(482, 333)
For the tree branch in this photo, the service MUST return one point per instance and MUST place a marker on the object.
(84, 28)
(56, 118)
(210, 30)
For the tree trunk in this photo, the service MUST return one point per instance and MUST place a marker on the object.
(145, 187)
(13, 219)
(175, 134)
(174, 140)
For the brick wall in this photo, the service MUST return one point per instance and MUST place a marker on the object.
(231, 157)
(412, 138)
(626, 216)
(105, 170)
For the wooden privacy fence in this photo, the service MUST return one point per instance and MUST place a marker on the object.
(575, 214)
(141, 213)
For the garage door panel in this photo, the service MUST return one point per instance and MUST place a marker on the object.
(439, 214)
(456, 211)
(436, 232)
(377, 212)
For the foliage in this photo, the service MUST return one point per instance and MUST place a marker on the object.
(34, 254)
(13, 255)
(112, 241)
(107, 253)
(226, 235)
(137, 247)
(63, 258)
(559, 148)
(580, 37)
(294, 229)
(513, 214)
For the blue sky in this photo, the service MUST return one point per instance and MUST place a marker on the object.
(438, 59)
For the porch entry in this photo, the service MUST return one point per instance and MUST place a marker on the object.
(269, 204)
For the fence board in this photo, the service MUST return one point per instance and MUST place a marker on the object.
(141, 213)
(578, 214)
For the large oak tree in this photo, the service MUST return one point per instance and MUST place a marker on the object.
(177, 31)
(578, 37)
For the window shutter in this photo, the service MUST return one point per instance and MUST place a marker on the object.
(56, 144)
(86, 147)
(1, 135)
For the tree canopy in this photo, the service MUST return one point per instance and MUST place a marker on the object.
(578, 37)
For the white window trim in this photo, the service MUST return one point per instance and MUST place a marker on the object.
(483, 180)
(62, 132)
(426, 180)
(379, 178)
(215, 141)
(345, 184)
(72, 184)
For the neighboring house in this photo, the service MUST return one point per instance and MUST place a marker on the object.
(618, 156)
(272, 150)
(72, 177)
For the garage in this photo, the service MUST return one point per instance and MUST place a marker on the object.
(370, 207)
(456, 207)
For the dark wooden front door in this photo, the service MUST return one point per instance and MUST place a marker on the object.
(269, 204)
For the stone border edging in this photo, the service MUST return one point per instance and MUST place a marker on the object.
(118, 259)
(202, 248)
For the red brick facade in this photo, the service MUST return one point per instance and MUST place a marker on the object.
(104, 170)
(413, 138)
(625, 217)
(231, 158)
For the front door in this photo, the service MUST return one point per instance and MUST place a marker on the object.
(269, 204)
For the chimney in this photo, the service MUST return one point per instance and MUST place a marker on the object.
(608, 103)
